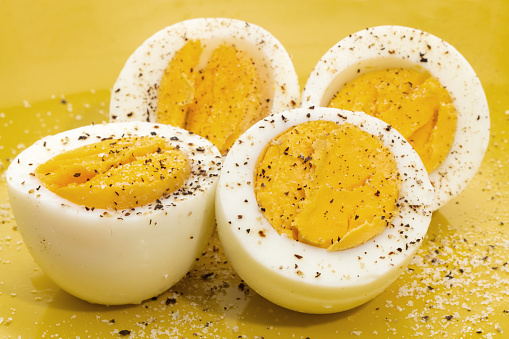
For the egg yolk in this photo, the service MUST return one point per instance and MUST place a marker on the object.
(414, 103)
(327, 185)
(116, 174)
(218, 102)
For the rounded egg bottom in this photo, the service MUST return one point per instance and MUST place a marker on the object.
(305, 278)
(115, 257)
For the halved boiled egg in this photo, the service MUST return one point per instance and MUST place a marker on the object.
(320, 209)
(115, 213)
(419, 84)
(212, 76)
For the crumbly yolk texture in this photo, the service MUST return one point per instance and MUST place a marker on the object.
(414, 103)
(327, 185)
(116, 174)
(218, 102)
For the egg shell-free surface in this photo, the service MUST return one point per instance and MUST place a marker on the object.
(115, 257)
(135, 92)
(383, 47)
(299, 276)
(73, 51)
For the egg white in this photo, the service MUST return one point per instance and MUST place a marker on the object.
(135, 93)
(302, 277)
(115, 257)
(383, 47)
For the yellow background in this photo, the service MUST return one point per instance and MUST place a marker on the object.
(58, 61)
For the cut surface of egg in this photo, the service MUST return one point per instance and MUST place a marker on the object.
(420, 85)
(212, 76)
(115, 213)
(116, 174)
(301, 274)
(327, 185)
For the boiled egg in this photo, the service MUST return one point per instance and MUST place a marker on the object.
(335, 253)
(115, 213)
(419, 84)
(212, 76)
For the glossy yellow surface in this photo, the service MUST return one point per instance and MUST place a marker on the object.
(58, 61)
(116, 174)
(413, 103)
(329, 186)
(227, 98)
(219, 102)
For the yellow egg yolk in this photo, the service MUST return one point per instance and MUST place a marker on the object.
(116, 174)
(327, 185)
(218, 102)
(414, 103)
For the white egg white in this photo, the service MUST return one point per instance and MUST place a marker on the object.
(115, 257)
(135, 92)
(383, 47)
(302, 277)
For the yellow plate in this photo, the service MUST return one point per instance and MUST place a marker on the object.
(58, 61)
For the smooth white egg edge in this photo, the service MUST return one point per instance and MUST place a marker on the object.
(409, 46)
(351, 275)
(100, 257)
(134, 93)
